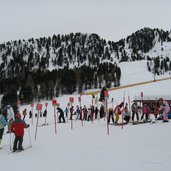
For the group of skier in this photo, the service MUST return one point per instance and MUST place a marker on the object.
(15, 124)
(141, 112)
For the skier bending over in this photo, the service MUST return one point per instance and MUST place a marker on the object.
(61, 114)
(164, 107)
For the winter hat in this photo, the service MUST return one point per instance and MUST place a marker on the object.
(18, 115)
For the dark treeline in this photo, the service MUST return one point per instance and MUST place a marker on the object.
(78, 62)
(62, 64)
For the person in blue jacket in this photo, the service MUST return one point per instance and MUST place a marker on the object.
(3, 123)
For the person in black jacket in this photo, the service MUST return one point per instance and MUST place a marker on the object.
(111, 116)
(61, 114)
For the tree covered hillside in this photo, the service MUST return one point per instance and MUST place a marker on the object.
(62, 64)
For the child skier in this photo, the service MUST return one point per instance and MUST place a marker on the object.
(126, 115)
(110, 115)
(66, 112)
(85, 113)
(118, 112)
(164, 107)
(146, 112)
(18, 128)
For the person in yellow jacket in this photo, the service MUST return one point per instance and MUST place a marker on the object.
(118, 112)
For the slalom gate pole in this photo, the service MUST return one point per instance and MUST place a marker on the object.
(29, 137)
(123, 109)
(105, 109)
(55, 120)
(37, 124)
(129, 105)
(107, 117)
(106, 106)
(46, 116)
(32, 115)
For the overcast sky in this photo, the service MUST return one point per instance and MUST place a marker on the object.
(111, 19)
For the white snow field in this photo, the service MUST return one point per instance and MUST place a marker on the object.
(145, 147)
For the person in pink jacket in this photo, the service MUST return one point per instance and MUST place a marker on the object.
(164, 107)
(146, 112)
(156, 110)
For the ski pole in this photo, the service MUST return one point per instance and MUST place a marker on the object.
(37, 124)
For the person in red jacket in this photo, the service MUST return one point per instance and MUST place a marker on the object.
(17, 127)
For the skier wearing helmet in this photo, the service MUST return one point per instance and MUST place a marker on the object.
(18, 128)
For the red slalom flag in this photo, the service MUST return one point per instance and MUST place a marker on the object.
(39, 106)
(54, 102)
(71, 99)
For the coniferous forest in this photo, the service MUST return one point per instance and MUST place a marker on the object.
(47, 67)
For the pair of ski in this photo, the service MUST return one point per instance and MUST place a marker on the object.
(44, 124)
(119, 124)
(18, 151)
